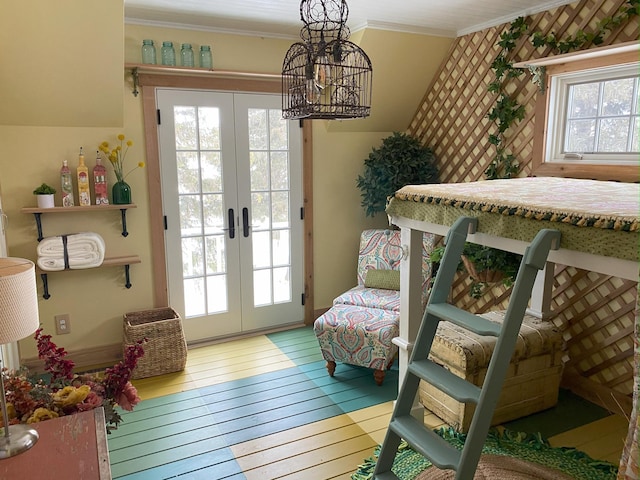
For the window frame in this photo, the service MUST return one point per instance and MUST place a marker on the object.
(557, 120)
(611, 56)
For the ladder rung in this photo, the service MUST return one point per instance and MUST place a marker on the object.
(464, 319)
(444, 380)
(426, 442)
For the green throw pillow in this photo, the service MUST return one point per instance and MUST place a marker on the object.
(387, 279)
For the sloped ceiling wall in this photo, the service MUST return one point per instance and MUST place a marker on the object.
(403, 63)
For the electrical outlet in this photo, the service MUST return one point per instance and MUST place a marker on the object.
(63, 324)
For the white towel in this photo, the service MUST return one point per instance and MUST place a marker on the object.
(84, 250)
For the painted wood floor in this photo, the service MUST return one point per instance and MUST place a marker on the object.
(264, 408)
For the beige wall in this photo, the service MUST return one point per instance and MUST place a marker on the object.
(29, 155)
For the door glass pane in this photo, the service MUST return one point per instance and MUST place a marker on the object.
(190, 215)
(209, 122)
(261, 250)
(262, 295)
(192, 257)
(259, 170)
(188, 172)
(194, 297)
(278, 131)
(185, 126)
(217, 293)
(280, 209)
(258, 129)
(281, 247)
(281, 285)
(211, 172)
(260, 211)
(213, 213)
(216, 257)
(279, 170)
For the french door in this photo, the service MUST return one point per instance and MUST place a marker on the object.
(232, 198)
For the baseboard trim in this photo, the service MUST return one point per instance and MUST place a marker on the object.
(86, 359)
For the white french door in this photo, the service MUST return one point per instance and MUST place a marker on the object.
(232, 195)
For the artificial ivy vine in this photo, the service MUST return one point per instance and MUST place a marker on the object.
(507, 111)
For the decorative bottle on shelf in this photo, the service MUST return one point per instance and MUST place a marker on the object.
(84, 195)
(67, 185)
(168, 54)
(100, 182)
(148, 52)
(186, 55)
(206, 60)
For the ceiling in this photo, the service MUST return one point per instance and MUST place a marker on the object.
(281, 18)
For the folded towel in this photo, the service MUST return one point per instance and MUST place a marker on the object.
(75, 251)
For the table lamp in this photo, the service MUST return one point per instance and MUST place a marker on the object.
(18, 319)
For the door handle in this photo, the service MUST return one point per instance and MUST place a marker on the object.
(245, 222)
(232, 224)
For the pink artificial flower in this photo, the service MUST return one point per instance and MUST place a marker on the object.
(128, 398)
(92, 401)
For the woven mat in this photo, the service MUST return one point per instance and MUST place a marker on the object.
(495, 467)
(532, 453)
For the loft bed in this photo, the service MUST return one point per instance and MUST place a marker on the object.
(598, 221)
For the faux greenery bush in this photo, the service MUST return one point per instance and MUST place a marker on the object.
(400, 160)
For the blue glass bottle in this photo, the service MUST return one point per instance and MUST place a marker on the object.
(186, 55)
(148, 52)
(206, 60)
(168, 54)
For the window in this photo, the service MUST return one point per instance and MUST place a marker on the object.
(594, 116)
(587, 119)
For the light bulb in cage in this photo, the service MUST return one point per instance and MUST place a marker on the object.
(312, 91)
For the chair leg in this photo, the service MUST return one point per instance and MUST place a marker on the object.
(378, 376)
(331, 367)
(391, 363)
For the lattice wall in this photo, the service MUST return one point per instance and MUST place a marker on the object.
(595, 311)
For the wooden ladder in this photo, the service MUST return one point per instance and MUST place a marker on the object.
(403, 425)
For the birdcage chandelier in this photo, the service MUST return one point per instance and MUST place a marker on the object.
(325, 76)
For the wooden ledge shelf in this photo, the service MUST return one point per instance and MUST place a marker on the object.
(37, 212)
(126, 261)
(138, 69)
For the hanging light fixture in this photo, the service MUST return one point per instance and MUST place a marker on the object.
(325, 76)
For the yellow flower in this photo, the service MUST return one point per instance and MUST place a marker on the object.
(41, 414)
(117, 155)
(71, 395)
(11, 413)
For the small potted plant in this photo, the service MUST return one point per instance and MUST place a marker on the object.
(44, 194)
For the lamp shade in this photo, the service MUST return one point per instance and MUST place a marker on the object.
(18, 299)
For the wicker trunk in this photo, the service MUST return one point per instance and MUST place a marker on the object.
(165, 349)
(531, 383)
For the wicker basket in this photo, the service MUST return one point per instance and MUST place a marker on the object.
(165, 350)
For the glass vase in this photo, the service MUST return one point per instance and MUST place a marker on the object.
(121, 193)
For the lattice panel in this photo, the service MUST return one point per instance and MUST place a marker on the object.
(596, 314)
(596, 311)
